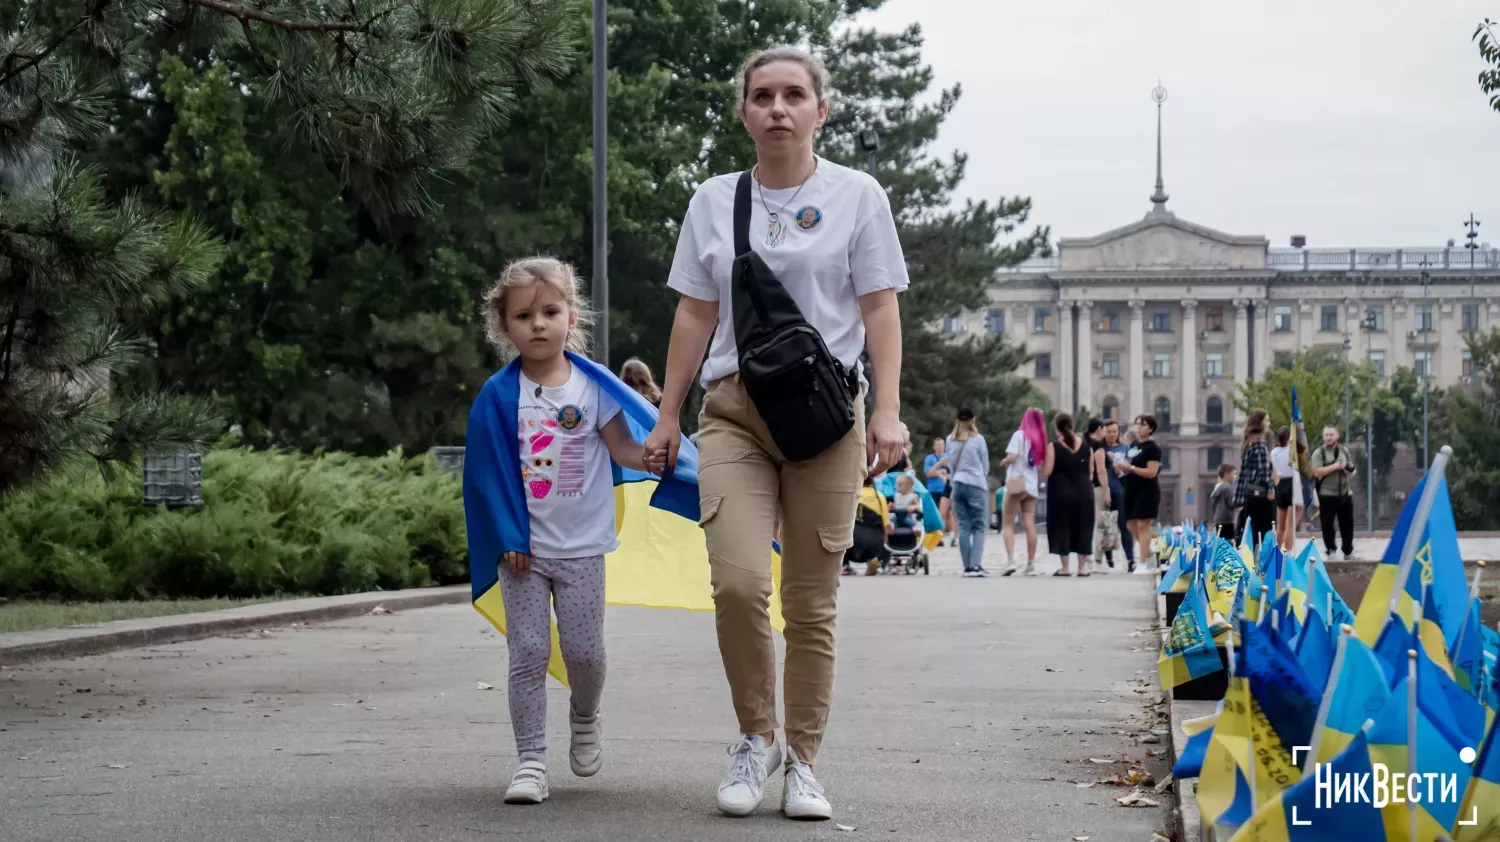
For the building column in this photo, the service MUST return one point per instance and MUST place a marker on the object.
(1263, 356)
(1241, 353)
(1086, 358)
(1065, 400)
(1305, 316)
(1137, 362)
(1189, 371)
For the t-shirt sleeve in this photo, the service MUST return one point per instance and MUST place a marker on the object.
(1015, 443)
(876, 261)
(608, 407)
(690, 275)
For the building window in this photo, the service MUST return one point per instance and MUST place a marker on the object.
(1419, 364)
(1282, 319)
(1109, 322)
(1424, 318)
(1161, 320)
(1471, 317)
(951, 324)
(1377, 361)
(1213, 365)
(1213, 318)
(1163, 413)
(994, 320)
(1215, 412)
(1109, 364)
(1161, 365)
(1111, 409)
(1043, 365)
(1282, 359)
(1215, 457)
(1042, 320)
(1468, 364)
(1166, 458)
(1330, 317)
(1375, 318)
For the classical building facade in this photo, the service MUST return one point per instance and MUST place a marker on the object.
(1165, 316)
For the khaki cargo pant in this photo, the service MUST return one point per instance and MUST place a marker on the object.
(741, 478)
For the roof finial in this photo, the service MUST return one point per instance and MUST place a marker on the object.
(1159, 198)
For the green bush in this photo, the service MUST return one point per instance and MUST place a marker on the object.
(270, 523)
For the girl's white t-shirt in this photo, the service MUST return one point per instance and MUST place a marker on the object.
(837, 242)
(1281, 462)
(1023, 466)
(565, 467)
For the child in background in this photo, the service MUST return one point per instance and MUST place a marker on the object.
(1221, 511)
(907, 503)
(567, 429)
(872, 523)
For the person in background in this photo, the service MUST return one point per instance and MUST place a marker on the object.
(971, 490)
(1140, 467)
(1253, 489)
(935, 470)
(1114, 450)
(637, 375)
(872, 523)
(1069, 469)
(906, 509)
(1332, 467)
(1106, 533)
(1221, 514)
(1284, 476)
(1023, 462)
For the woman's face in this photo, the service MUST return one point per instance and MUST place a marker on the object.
(781, 109)
(1112, 435)
(1142, 430)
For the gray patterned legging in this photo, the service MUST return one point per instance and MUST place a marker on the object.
(576, 590)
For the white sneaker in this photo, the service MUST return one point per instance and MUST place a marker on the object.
(586, 753)
(528, 785)
(744, 785)
(802, 796)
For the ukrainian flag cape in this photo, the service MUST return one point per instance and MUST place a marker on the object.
(662, 560)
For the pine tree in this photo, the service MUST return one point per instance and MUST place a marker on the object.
(380, 98)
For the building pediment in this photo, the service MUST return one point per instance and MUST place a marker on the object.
(1159, 242)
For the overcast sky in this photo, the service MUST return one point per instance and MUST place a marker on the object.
(1355, 123)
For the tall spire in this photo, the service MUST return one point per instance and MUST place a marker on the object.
(1159, 198)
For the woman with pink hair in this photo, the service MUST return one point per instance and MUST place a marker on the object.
(969, 458)
(1023, 460)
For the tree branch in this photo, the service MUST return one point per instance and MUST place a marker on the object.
(247, 15)
(51, 48)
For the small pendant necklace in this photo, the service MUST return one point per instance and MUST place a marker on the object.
(775, 231)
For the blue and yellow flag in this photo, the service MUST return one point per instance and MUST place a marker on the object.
(1430, 632)
(1438, 565)
(1278, 685)
(662, 560)
(1189, 650)
(1468, 650)
(1199, 732)
(1303, 813)
(1357, 691)
(1315, 650)
(1322, 594)
(1438, 747)
(1480, 811)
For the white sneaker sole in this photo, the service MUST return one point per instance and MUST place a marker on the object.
(808, 813)
(526, 796)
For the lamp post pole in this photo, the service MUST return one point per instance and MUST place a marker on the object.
(1369, 422)
(869, 141)
(1426, 354)
(601, 186)
(1473, 248)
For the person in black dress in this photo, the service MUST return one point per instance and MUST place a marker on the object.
(1068, 469)
(1142, 488)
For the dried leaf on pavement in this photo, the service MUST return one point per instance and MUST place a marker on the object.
(845, 827)
(1136, 799)
(381, 609)
(1165, 783)
(1080, 839)
(1100, 760)
(480, 685)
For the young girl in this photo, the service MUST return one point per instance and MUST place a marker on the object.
(1286, 486)
(567, 429)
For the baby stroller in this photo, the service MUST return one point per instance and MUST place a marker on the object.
(903, 549)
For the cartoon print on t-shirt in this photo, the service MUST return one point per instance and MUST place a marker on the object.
(539, 471)
(571, 470)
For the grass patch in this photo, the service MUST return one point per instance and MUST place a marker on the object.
(30, 615)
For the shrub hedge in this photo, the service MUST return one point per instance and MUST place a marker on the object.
(270, 523)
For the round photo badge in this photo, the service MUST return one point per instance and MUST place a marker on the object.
(569, 417)
(808, 217)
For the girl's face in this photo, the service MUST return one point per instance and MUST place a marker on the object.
(781, 109)
(1142, 430)
(1112, 435)
(537, 320)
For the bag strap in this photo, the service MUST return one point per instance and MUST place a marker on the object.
(742, 215)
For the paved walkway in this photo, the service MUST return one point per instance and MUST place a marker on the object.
(966, 709)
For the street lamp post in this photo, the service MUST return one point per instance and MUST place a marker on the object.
(1473, 247)
(601, 186)
(1426, 352)
(1369, 324)
(869, 141)
(1348, 375)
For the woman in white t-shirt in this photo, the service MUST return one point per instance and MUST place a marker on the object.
(1023, 461)
(827, 233)
(1288, 488)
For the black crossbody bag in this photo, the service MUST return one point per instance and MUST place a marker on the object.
(801, 390)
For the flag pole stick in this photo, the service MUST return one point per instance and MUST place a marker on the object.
(1327, 701)
(1478, 572)
(1264, 597)
(1418, 525)
(1411, 731)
